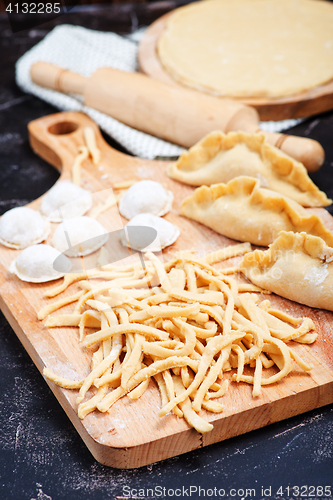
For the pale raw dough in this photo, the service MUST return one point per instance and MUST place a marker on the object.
(297, 266)
(21, 227)
(145, 197)
(65, 200)
(244, 211)
(36, 264)
(242, 48)
(79, 236)
(167, 233)
(221, 157)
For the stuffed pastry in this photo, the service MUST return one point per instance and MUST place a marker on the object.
(297, 266)
(21, 227)
(145, 197)
(244, 211)
(148, 232)
(65, 200)
(36, 264)
(79, 236)
(221, 157)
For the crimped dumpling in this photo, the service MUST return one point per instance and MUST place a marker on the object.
(297, 266)
(244, 211)
(21, 227)
(139, 238)
(65, 200)
(221, 157)
(36, 264)
(145, 197)
(79, 236)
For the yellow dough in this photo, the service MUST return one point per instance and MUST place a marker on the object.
(242, 48)
(244, 211)
(297, 266)
(221, 157)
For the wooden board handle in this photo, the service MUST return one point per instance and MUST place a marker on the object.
(57, 138)
(178, 115)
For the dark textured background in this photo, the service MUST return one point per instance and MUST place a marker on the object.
(41, 455)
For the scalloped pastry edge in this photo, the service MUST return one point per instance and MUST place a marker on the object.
(284, 166)
(250, 187)
(256, 266)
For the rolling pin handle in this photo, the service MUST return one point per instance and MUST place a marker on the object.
(305, 150)
(52, 77)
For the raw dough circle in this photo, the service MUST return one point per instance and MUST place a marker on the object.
(21, 227)
(79, 236)
(145, 197)
(35, 264)
(65, 200)
(243, 48)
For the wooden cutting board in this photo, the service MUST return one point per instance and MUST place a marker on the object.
(131, 434)
(312, 102)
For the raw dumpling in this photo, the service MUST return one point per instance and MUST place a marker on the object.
(243, 211)
(79, 236)
(145, 197)
(164, 233)
(65, 200)
(221, 157)
(21, 227)
(36, 264)
(297, 266)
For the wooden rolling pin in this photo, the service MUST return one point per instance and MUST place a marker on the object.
(177, 115)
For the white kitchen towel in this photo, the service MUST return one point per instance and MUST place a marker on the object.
(84, 51)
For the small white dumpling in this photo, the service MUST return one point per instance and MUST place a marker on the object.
(64, 201)
(145, 197)
(21, 227)
(36, 264)
(79, 236)
(164, 233)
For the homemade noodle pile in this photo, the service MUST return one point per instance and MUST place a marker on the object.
(183, 323)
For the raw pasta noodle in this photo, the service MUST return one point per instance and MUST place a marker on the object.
(124, 184)
(76, 167)
(110, 202)
(228, 252)
(90, 140)
(89, 149)
(45, 311)
(183, 324)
